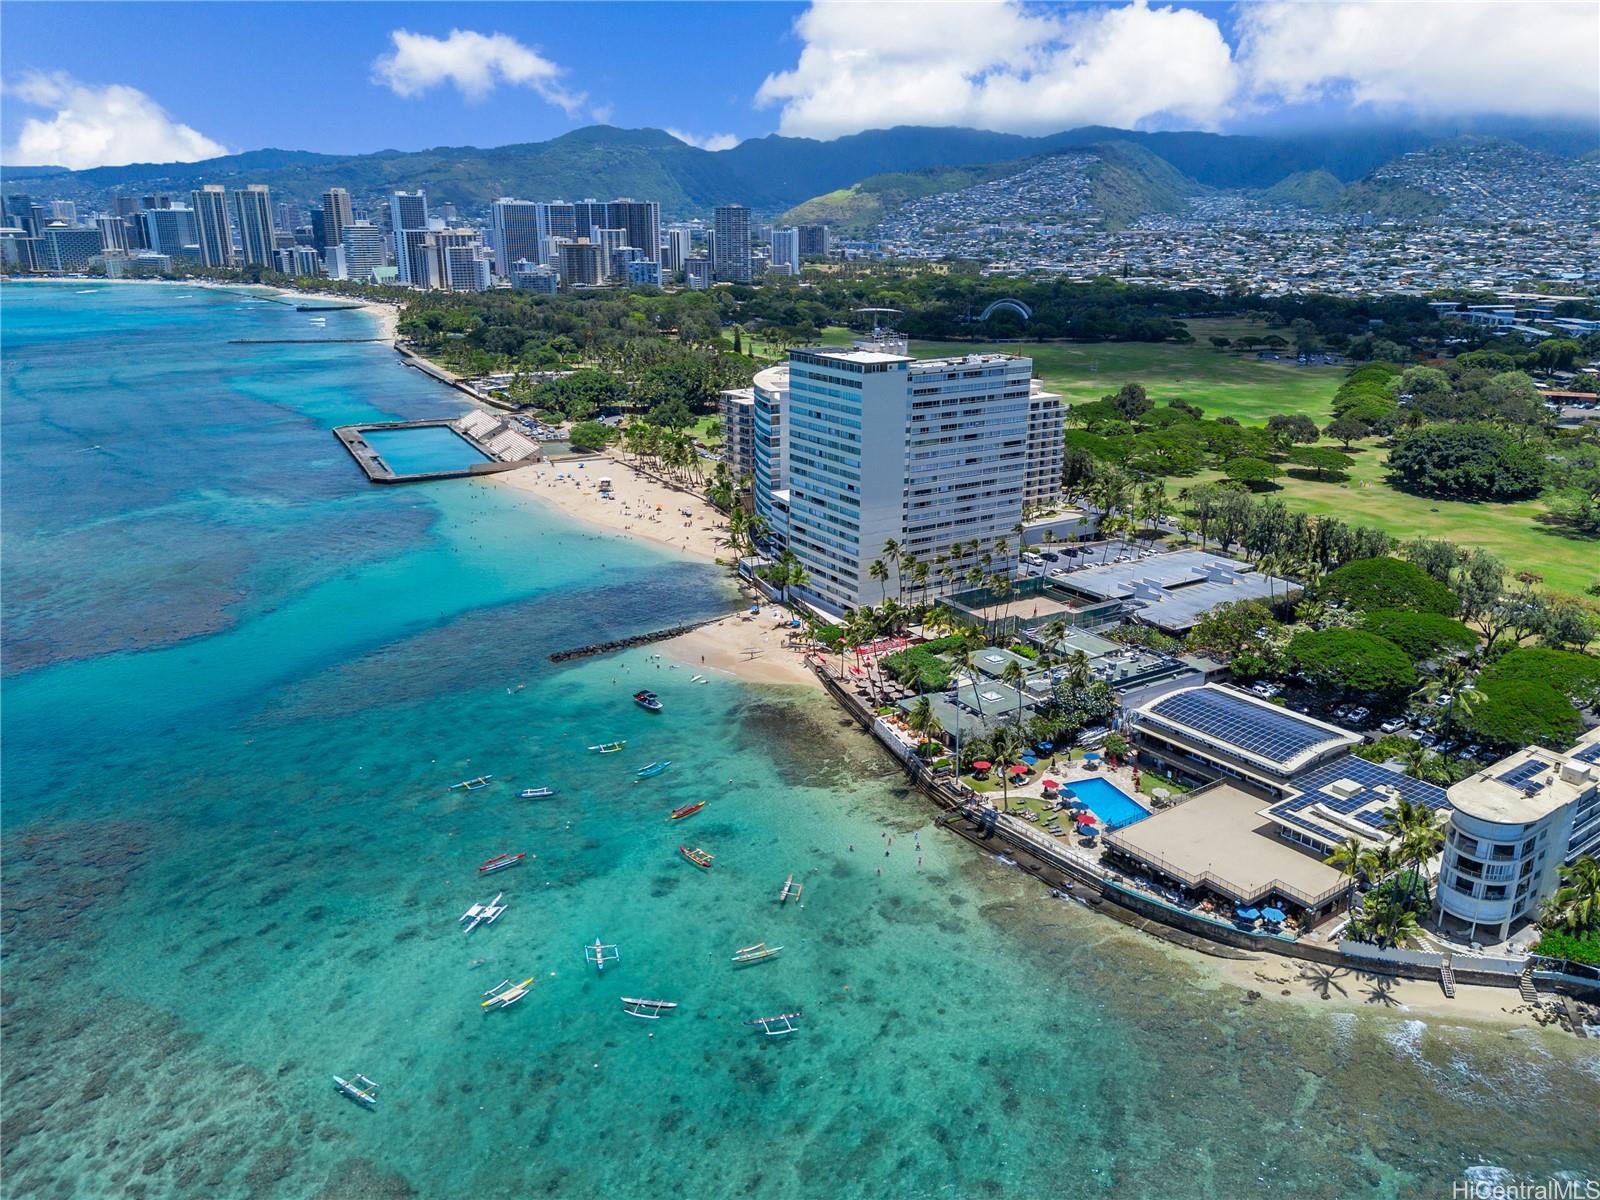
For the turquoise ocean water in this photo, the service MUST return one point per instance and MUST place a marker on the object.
(238, 680)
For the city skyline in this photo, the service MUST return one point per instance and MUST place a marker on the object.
(490, 76)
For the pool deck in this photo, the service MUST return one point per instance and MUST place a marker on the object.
(352, 438)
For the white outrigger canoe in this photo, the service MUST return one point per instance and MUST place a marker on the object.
(482, 914)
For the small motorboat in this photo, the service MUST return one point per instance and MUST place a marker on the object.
(538, 793)
(653, 769)
(500, 862)
(482, 914)
(505, 993)
(697, 856)
(647, 700)
(360, 1089)
(607, 747)
(687, 810)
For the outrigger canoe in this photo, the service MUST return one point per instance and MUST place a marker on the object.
(697, 856)
(688, 810)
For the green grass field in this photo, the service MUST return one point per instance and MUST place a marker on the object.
(1224, 385)
(1512, 532)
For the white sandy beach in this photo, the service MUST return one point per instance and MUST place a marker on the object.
(639, 506)
(1311, 985)
(752, 648)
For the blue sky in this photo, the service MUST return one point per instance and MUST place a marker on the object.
(108, 83)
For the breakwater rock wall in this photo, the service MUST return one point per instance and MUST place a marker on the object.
(628, 643)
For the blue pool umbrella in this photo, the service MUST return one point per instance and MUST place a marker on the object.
(1047, 746)
(1030, 758)
(1091, 757)
(1247, 914)
(1275, 915)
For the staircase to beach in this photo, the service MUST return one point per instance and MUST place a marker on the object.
(1447, 978)
(1525, 985)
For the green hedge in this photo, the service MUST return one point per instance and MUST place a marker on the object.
(1576, 947)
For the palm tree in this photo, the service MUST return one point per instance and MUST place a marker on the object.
(880, 572)
(1354, 859)
(1576, 903)
(1453, 680)
(1420, 830)
(1004, 747)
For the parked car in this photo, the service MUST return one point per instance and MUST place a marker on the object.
(1358, 715)
(1430, 740)
(1051, 556)
(1033, 560)
(1392, 725)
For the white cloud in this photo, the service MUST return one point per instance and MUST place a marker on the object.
(1521, 58)
(995, 64)
(602, 113)
(99, 126)
(712, 141)
(474, 63)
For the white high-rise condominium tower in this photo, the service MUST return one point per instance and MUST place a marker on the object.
(873, 446)
(211, 226)
(514, 225)
(413, 254)
(786, 251)
(257, 234)
(680, 241)
(730, 251)
(336, 214)
(365, 250)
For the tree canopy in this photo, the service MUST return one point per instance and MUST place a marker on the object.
(1422, 635)
(1352, 660)
(1385, 582)
(1467, 461)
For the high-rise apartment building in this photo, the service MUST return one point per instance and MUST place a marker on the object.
(172, 231)
(730, 249)
(876, 446)
(610, 242)
(582, 264)
(252, 209)
(414, 255)
(786, 251)
(814, 241)
(589, 215)
(69, 248)
(514, 227)
(64, 210)
(680, 242)
(113, 233)
(299, 260)
(214, 236)
(364, 249)
(464, 262)
(337, 212)
(557, 219)
(640, 220)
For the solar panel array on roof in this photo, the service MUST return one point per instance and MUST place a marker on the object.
(1589, 754)
(1313, 785)
(1522, 775)
(1234, 721)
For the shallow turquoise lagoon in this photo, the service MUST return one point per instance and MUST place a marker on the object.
(424, 451)
(239, 682)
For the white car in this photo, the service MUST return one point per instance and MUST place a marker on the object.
(1393, 725)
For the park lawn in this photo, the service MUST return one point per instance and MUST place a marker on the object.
(1512, 532)
(702, 429)
(1223, 384)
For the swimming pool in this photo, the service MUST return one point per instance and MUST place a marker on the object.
(1107, 802)
(424, 450)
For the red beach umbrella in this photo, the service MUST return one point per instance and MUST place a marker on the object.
(982, 766)
(1051, 783)
(1085, 818)
(1018, 769)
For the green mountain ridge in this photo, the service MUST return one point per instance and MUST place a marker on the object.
(1319, 191)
